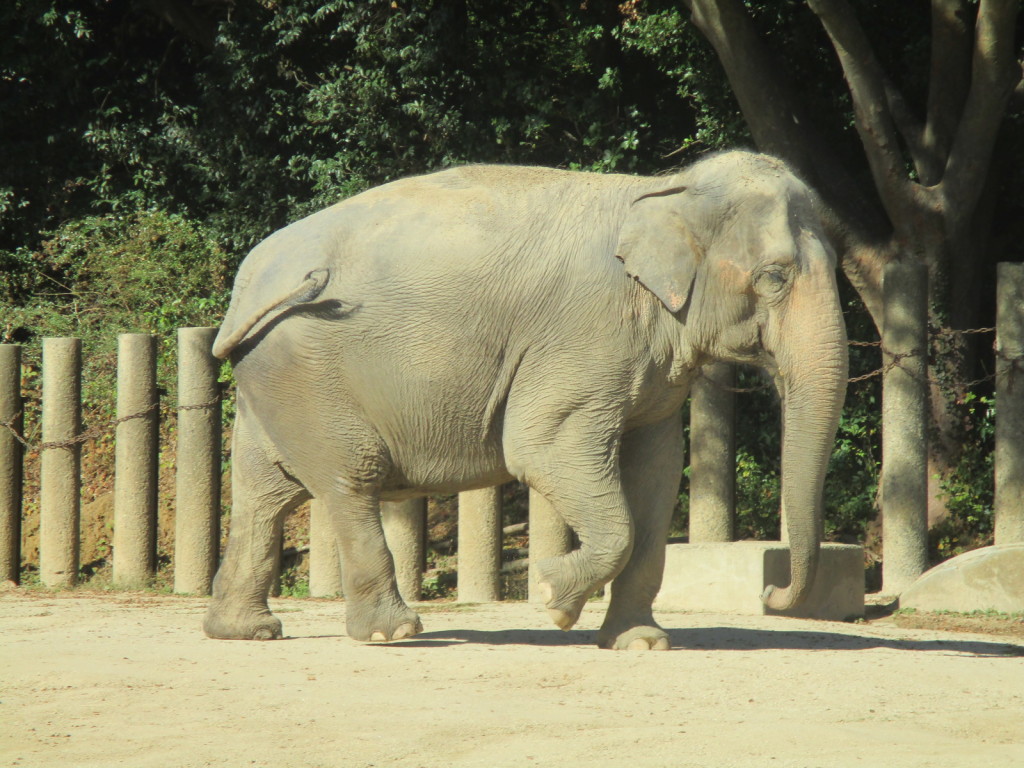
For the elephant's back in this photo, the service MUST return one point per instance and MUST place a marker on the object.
(493, 226)
(451, 268)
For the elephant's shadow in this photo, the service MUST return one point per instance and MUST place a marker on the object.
(721, 639)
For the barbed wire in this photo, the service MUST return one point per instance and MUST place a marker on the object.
(100, 429)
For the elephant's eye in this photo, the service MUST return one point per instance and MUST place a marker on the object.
(770, 280)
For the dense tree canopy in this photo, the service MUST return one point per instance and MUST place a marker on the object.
(245, 116)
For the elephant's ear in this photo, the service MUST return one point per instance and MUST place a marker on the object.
(658, 249)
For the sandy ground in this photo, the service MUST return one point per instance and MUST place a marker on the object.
(129, 680)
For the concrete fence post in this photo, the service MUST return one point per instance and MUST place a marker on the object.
(324, 558)
(11, 462)
(60, 462)
(479, 574)
(197, 489)
(904, 478)
(549, 537)
(136, 448)
(405, 530)
(1009, 450)
(713, 455)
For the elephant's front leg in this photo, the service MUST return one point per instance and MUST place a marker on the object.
(651, 461)
(374, 610)
(261, 496)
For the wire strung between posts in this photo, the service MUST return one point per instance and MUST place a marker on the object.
(964, 332)
(199, 406)
(96, 431)
(9, 424)
(895, 361)
(897, 358)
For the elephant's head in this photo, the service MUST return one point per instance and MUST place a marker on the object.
(734, 248)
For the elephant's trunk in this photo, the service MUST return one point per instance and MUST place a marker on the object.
(813, 365)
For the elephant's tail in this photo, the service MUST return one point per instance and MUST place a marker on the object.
(234, 329)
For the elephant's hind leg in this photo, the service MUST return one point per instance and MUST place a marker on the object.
(651, 460)
(262, 494)
(374, 610)
(582, 483)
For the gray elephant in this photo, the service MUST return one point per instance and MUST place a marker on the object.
(457, 330)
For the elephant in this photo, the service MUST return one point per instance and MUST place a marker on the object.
(485, 323)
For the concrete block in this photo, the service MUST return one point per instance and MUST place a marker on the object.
(730, 577)
(986, 579)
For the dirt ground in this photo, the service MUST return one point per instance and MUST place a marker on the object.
(129, 680)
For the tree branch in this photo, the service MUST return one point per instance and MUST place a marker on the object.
(948, 84)
(872, 114)
(767, 109)
(995, 73)
(909, 126)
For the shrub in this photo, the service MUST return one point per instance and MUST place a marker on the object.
(97, 277)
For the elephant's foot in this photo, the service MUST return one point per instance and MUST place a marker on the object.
(379, 624)
(636, 632)
(564, 603)
(646, 638)
(224, 622)
(564, 619)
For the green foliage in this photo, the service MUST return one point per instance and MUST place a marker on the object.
(758, 458)
(258, 113)
(689, 68)
(97, 277)
(851, 485)
(969, 489)
(440, 582)
(293, 583)
(758, 496)
(144, 271)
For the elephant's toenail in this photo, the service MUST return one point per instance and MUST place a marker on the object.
(378, 637)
